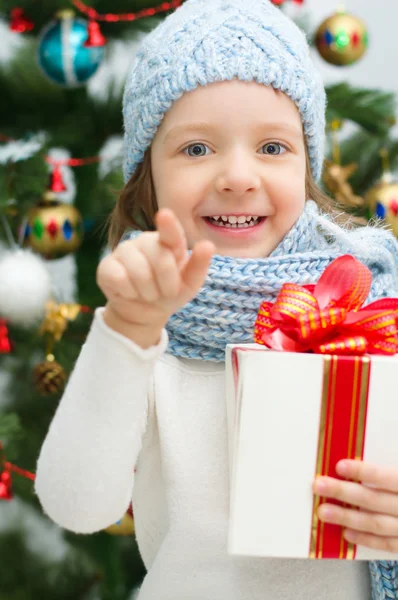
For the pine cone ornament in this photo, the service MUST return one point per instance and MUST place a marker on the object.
(49, 377)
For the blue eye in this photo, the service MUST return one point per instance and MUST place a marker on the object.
(273, 149)
(196, 150)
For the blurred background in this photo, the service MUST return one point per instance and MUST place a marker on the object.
(63, 64)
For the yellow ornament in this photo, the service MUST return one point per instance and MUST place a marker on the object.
(124, 527)
(53, 228)
(382, 201)
(342, 39)
(57, 318)
(335, 178)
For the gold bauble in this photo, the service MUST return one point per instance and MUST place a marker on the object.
(53, 228)
(49, 377)
(382, 201)
(124, 527)
(342, 39)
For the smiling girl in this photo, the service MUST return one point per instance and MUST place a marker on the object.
(224, 121)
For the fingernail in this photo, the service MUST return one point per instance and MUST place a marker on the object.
(325, 512)
(320, 485)
(342, 467)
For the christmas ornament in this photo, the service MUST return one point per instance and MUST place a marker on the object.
(382, 201)
(5, 485)
(19, 23)
(382, 198)
(342, 39)
(123, 527)
(5, 344)
(25, 287)
(57, 318)
(62, 54)
(335, 175)
(56, 184)
(49, 375)
(335, 179)
(95, 37)
(53, 228)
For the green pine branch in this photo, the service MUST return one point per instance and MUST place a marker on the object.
(373, 110)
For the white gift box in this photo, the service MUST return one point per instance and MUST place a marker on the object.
(285, 414)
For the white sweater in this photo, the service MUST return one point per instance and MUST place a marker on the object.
(125, 408)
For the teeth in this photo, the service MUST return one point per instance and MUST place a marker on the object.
(234, 222)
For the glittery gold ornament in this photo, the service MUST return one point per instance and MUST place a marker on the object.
(342, 39)
(57, 318)
(49, 376)
(53, 228)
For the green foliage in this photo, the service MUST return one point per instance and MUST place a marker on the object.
(371, 109)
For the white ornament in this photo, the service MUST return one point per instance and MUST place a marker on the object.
(25, 287)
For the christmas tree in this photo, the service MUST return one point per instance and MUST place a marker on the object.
(60, 174)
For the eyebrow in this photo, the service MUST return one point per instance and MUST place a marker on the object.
(204, 127)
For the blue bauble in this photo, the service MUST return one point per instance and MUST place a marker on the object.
(62, 55)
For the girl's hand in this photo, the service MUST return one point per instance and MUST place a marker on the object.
(375, 524)
(148, 279)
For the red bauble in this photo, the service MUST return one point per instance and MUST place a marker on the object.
(5, 486)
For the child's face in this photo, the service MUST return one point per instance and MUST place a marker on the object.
(232, 150)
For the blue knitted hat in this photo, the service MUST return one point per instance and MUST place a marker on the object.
(205, 41)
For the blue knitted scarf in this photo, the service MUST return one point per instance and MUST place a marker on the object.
(225, 309)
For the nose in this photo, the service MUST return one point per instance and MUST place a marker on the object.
(237, 175)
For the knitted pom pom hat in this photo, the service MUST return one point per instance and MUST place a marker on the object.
(205, 41)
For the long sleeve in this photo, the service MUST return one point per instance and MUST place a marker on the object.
(85, 470)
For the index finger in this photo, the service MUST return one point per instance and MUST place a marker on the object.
(171, 233)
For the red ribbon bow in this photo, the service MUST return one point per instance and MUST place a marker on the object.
(327, 318)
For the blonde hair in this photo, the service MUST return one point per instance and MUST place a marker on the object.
(136, 206)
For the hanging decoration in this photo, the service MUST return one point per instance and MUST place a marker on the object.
(5, 485)
(49, 375)
(6, 468)
(53, 228)
(5, 343)
(62, 54)
(335, 175)
(382, 198)
(19, 22)
(25, 287)
(95, 37)
(342, 39)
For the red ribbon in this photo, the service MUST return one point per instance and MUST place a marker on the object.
(328, 318)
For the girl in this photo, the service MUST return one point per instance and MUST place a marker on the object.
(224, 129)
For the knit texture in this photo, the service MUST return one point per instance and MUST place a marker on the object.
(205, 41)
(225, 309)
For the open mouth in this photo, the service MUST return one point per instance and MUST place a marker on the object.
(235, 222)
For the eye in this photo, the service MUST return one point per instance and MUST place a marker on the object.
(273, 149)
(196, 150)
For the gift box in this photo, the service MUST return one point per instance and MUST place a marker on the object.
(329, 391)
